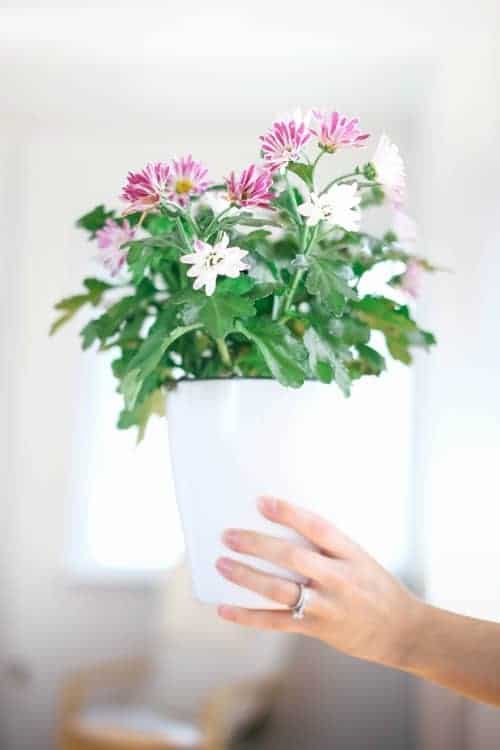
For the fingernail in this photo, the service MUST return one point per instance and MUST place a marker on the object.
(228, 613)
(268, 505)
(224, 565)
(231, 538)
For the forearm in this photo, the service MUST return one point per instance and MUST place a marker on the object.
(460, 653)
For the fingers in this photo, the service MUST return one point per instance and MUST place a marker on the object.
(321, 533)
(264, 619)
(271, 587)
(284, 554)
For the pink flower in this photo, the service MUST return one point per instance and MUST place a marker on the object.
(145, 190)
(411, 281)
(187, 179)
(110, 240)
(336, 131)
(390, 170)
(251, 188)
(283, 143)
(405, 228)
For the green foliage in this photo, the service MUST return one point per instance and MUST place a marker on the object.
(327, 354)
(400, 331)
(138, 417)
(284, 355)
(304, 171)
(95, 219)
(146, 360)
(71, 305)
(327, 280)
(295, 314)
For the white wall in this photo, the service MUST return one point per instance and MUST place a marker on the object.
(458, 427)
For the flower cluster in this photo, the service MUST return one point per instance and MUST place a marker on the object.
(263, 273)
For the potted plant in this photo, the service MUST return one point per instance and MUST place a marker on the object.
(242, 300)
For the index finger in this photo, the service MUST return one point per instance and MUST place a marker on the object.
(320, 532)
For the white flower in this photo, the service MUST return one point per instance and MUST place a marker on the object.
(339, 207)
(210, 261)
(390, 169)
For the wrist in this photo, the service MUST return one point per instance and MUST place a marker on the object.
(408, 655)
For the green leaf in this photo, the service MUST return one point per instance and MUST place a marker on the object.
(260, 291)
(139, 417)
(71, 305)
(327, 280)
(89, 334)
(95, 219)
(240, 285)
(350, 330)
(96, 288)
(220, 311)
(146, 359)
(285, 355)
(109, 323)
(304, 171)
(325, 357)
(217, 313)
(157, 224)
(374, 362)
(400, 331)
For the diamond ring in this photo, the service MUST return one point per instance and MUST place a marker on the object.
(298, 609)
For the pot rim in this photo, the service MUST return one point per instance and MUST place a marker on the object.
(232, 378)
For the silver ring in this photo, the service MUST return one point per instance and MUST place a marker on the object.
(298, 609)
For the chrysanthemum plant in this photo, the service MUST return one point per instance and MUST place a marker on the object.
(258, 276)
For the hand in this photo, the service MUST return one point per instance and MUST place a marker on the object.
(354, 604)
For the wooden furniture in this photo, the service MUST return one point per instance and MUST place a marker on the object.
(125, 725)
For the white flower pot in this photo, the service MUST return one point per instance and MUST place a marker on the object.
(233, 440)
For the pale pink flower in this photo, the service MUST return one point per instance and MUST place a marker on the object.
(411, 281)
(390, 170)
(283, 143)
(187, 179)
(146, 189)
(251, 188)
(110, 240)
(209, 261)
(405, 228)
(336, 131)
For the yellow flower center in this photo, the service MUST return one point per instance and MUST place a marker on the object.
(183, 185)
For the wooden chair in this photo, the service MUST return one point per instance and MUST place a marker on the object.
(122, 726)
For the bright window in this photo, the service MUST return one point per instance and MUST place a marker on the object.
(126, 522)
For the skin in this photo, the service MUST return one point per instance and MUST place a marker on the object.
(357, 607)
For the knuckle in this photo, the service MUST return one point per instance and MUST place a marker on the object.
(296, 558)
(317, 527)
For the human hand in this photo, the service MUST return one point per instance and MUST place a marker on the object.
(354, 604)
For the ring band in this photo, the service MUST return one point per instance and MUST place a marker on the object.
(298, 609)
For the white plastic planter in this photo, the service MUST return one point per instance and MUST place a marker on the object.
(233, 440)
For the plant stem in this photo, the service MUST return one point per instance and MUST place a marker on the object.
(224, 353)
(339, 179)
(276, 307)
(297, 216)
(319, 156)
(306, 246)
(214, 221)
(183, 234)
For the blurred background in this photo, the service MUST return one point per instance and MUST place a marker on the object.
(96, 619)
